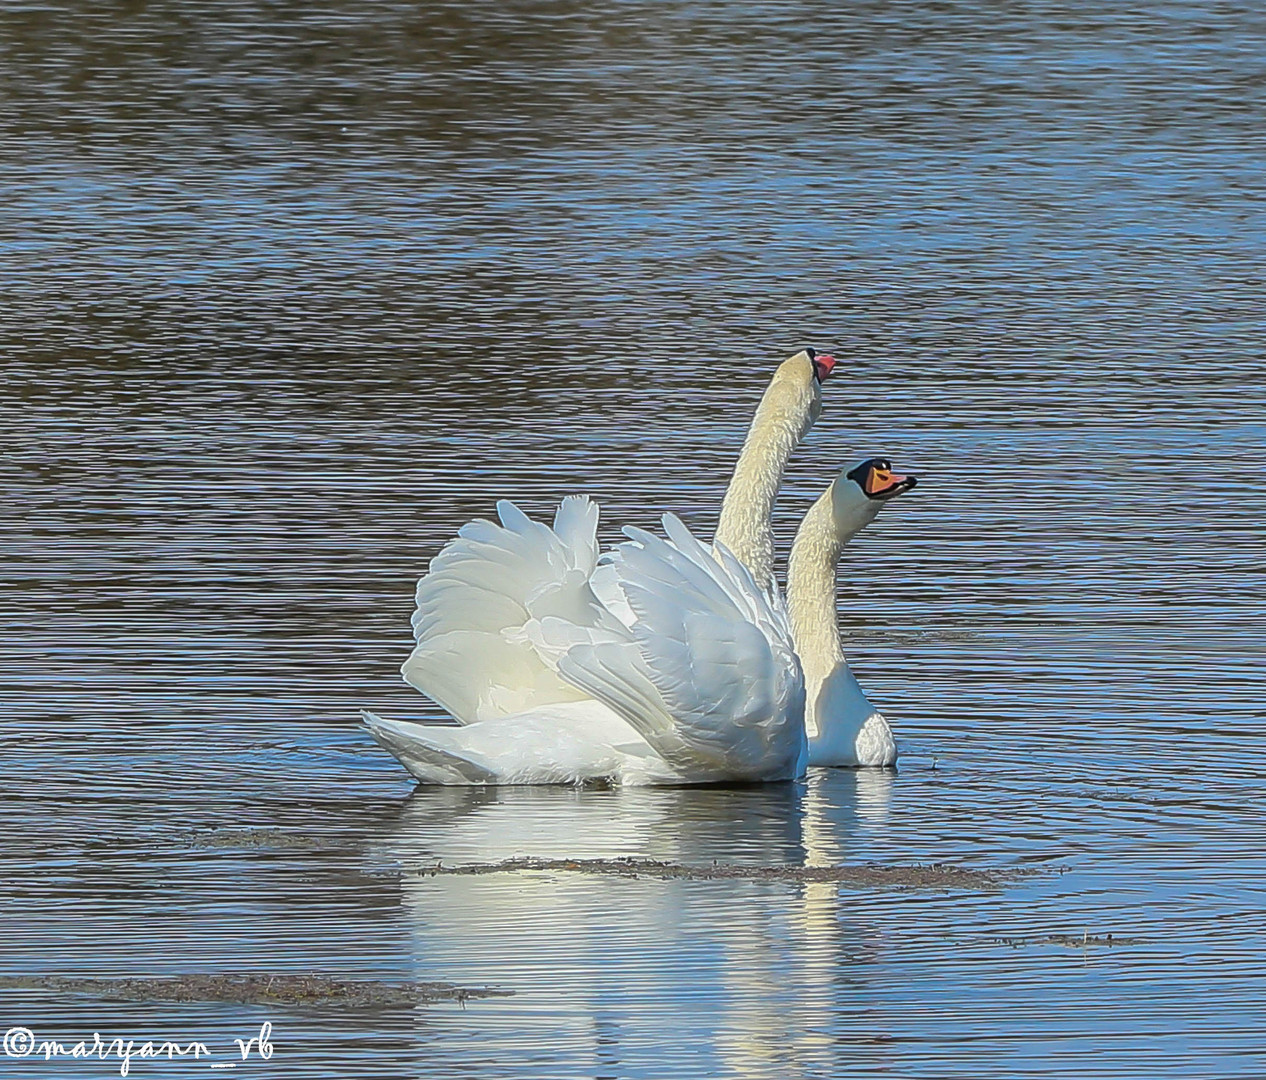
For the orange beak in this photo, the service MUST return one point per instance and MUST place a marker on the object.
(822, 365)
(880, 480)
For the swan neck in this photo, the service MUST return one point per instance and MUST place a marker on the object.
(811, 593)
(784, 416)
(842, 726)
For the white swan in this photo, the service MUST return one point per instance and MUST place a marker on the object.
(843, 727)
(666, 664)
(701, 684)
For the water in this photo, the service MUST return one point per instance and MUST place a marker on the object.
(290, 292)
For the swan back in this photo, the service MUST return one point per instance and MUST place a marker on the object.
(707, 674)
(678, 669)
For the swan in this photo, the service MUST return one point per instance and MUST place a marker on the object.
(506, 613)
(700, 685)
(842, 726)
(711, 679)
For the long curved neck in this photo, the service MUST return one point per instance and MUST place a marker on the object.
(811, 592)
(782, 419)
(843, 727)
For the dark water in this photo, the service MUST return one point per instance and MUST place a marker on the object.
(290, 291)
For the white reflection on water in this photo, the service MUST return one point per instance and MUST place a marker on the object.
(625, 972)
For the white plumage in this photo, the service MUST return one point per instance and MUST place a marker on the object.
(663, 662)
(553, 686)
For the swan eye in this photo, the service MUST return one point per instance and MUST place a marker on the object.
(813, 353)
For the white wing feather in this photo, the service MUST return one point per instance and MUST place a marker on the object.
(682, 669)
(478, 606)
(707, 673)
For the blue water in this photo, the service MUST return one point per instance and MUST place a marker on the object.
(290, 293)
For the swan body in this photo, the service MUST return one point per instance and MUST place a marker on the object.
(660, 663)
(842, 726)
(570, 743)
(690, 678)
(653, 665)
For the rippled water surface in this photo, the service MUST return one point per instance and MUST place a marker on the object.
(290, 291)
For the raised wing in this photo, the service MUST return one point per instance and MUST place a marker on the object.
(480, 604)
(706, 673)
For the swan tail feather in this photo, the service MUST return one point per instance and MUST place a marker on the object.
(419, 749)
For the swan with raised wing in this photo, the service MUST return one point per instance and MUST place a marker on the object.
(664, 663)
(700, 685)
(702, 682)
(490, 589)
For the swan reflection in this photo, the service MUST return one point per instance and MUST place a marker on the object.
(615, 972)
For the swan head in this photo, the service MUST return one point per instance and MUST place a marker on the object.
(823, 365)
(859, 493)
(799, 385)
(806, 368)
